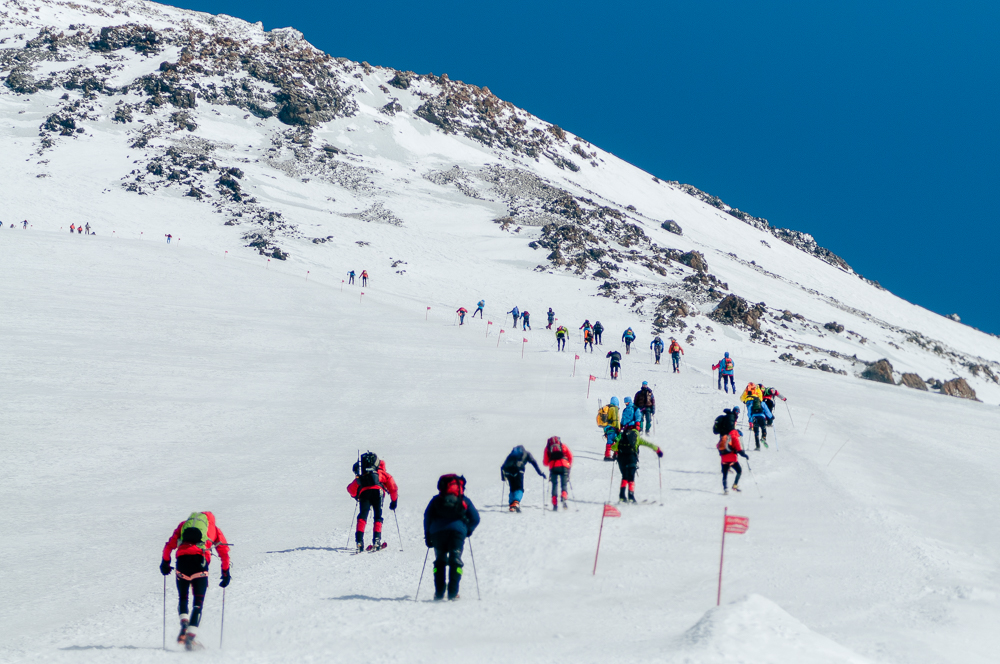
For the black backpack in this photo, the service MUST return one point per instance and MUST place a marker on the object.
(556, 451)
(723, 424)
(368, 471)
(628, 444)
(757, 408)
(616, 357)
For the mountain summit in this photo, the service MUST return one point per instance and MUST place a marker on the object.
(143, 119)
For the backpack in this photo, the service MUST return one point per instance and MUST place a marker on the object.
(368, 472)
(629, 334)
(195, 530)
(628, 444)
(602, 416)
(756, 407)
(723, 444)
(723, 424)
(451, 492)
(728, 364)
(555, 450)
(616, 357)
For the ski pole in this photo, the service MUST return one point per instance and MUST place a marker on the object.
(503, 481)
(164, 611)
(611, 482)
(660, 466)
(475, 575)
(422, 574)
(789, 414)
(753, 478)
(543, 495)
(572, 491)
(397, 530)
(348, 543)
(222, 627)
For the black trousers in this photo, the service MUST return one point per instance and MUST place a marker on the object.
(371, 499)
(448, 547)
(189, 565)
(560, 343)
(597, 337)
(628, 466)
(759, 430)
(725, 473)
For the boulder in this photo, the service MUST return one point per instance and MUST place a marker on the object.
(880, 372)
(957, 387)
(834, 327)
(672, 226)
(694, 260)
(734, 310)
(914, 381)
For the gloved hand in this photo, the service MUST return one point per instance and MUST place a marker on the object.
(652, 411)
(743, 454)
(427, 543)
(165, 567)
(544, 477)
(226, 578)
(392, 505)
(659, 452)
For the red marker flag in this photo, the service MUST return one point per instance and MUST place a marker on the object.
(611, 510)
(576, 357)
(592, 379)
(523, 341)
(498, 337)
(737, 524)
(730, 524)
(488, 323)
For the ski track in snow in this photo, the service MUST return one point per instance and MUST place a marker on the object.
(142, 381)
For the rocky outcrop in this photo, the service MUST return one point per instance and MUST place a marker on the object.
(834, 327)
(880, 372)
(735, 311)
(957, 387)
(672, 226)
(694, 260)
(914, 381)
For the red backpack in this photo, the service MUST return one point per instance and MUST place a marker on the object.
(451, 489)
(555, 449)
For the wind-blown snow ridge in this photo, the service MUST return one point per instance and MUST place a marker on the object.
(210, 127)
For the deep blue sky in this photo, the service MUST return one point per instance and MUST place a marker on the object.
(874, 126)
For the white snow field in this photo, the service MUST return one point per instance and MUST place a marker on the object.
(142, 381)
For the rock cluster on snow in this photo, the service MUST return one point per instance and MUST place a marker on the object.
(914, 381)
(880, 372)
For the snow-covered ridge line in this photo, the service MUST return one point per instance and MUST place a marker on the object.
(306, 157)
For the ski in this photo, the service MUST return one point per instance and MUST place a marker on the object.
(372, 549)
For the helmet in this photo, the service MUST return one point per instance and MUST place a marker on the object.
(645, 383)
(519, 450)
(628, 399)
(736, 410)
(614, 401)
(727, 353)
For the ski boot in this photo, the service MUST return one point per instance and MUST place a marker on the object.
(361, 547)
(555, 508)
(631, 498)
(376, 544)
(189, 641)
(736, 488)
(725, 491)
(621, 496)
(565, 504)
(184, 628)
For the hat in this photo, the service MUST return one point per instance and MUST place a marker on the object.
(736, 410)
(644, 383)
(727, 353)
(628, 399)
(614, 401)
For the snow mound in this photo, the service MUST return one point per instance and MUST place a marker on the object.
(755, 629)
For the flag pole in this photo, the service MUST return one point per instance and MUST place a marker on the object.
(722, 555)
(599, 533)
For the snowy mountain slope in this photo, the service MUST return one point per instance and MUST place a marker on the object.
(141, 381)
(144, 119)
